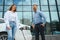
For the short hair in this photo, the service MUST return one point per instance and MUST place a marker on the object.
(35, 5)
(11, 8)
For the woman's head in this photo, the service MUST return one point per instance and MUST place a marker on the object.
(13, 8)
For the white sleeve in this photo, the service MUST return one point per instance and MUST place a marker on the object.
(6, 19)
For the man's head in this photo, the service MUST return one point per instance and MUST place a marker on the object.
(35, 7)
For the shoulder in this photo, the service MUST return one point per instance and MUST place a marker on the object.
(7, 13)
(16, 13)
(40, 12)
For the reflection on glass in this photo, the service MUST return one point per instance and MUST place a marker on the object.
(46, 14)
(35, 2)
(17, 2)
(53, 8)
(0, 14)
(19, 8)
(59, 14)
(43, 2)
(8, 2)
(27, 18)
(26, 2)
(1, 2)
(6, 8)
(54, 16)
(58, 1)
(44, 8)
(26, 8)
(1, 8)
(52, 2)
(59, 8)
(19, 16)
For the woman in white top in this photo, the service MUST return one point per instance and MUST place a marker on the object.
(11, 20)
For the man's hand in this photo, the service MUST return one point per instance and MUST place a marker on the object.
(33, 26)
(8, 27)
(42, 25)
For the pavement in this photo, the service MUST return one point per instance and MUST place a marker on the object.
(49, 37)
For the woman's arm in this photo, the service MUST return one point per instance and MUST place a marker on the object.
(6, 18)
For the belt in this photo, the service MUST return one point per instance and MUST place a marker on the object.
(39, 23)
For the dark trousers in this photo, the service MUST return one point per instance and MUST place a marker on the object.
(39, 29)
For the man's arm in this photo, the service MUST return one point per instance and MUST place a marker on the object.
(44, 18)
(44, 21)
(33, 24)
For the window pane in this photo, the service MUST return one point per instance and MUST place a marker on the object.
(26, 2)
(44, 8)
(1, 2)
(6, 8)
(1, 8)
(43, 2)
(52, 2)
(59, 14)
(8, 2)
(53, 8)
(17, 2)
(48, 28)
(54, 16)
(26, 8)
(35, 2)
(19, 8)
(47, 16)
(0, 14)
(58, 1)
(27, 18)
(19, 16)
(59, 8)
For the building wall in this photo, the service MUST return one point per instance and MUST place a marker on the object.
(50, 8)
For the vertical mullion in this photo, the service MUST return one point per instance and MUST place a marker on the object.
(31, 10)
(50, 15)
(57, 9)
(40, 4)
(22, 14)
(3, 8)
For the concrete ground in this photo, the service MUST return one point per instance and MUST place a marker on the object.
(50, 37)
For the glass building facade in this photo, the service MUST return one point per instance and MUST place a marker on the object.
(50, 8)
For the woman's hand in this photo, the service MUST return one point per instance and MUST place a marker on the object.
(8, 27)
(33, 26)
